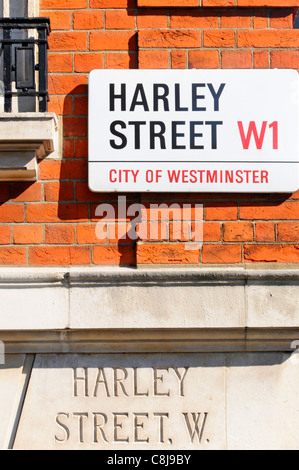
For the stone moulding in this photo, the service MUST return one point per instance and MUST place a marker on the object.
(90, 310)
(25, 139)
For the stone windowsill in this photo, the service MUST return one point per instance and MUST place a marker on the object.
(26, 138)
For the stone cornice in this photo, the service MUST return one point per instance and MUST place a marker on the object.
(87, 309)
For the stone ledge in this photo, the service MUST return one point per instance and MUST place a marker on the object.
(106, 309)
(86, 274)
(188, 340)
(26, 137)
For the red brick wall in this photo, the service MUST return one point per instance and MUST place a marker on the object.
(52, 222)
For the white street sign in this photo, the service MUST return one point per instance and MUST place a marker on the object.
(193, 130)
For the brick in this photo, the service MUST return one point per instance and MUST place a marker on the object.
(218, 3)
(211, 232)
(236, 59)
(219, 38)
(288, 231)
(67, 84)
(61, 105)
(81, 148)
(26, 192)
(268, 38)
(75, 127)
(168, 3)
(153, 59)
(52, 212)
(235, 19)
(81, 105)
(175, 38)
(59, 234)
(162, 212)
(285, 59)
(265, 231)
(62, 4)
(112, 3)
(295, 195)
(50, 170)
(4, 192)
(68, 41)
(120, 255)
(68, 148)
(178, 232)
(112, 40)
(221, 211)
(240, 231)
(115, 212)
(261, 59)
(13, 256)
(120, 233)
(204, 59)
(166, 254)
(83, 194)
(71, 170)
(151, 19)
(94, 234)
(5, 234)
(288, 210)
(88, 61)
(60, 20)
(267, 3)
(59, 170)
(88, 20)
(178, 59)
(28, 234)
(59, 191)
(221, 254)
(60, 62)
(271, 253)
(121, 60)
(282, 18)
(119, 19)
(154, 231)
(11, 213)
(194, 19)
(59, 255)
(260, 19)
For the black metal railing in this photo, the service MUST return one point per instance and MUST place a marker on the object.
(24, 49)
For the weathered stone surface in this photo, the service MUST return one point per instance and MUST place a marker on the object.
(124, 402)
(262, 403)
(157, 306)
(13, 376)
(273, 304)
(162, 401)
(33, 307)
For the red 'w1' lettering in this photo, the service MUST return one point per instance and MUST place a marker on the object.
(258, 137)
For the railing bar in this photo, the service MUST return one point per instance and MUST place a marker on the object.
(25, 93)
(7, 72)
(21, 41)
(43, 64)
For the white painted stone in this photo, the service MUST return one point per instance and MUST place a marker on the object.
(13, 376)
(21, 129)
(243, 300)
(241, 401)
(273, 304)
(109, 409)
(25, 138)
(157, 306)
(33, 308)
(262, 402)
